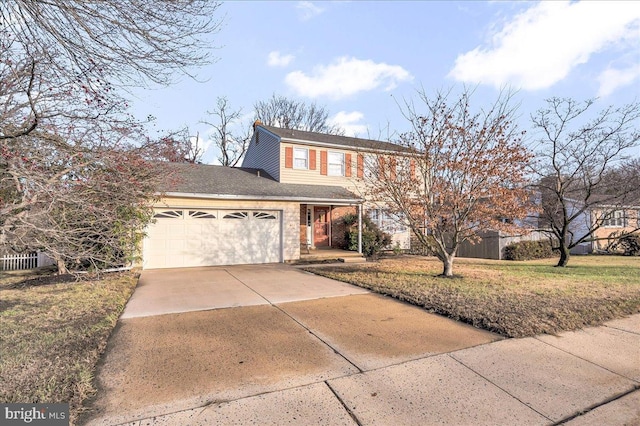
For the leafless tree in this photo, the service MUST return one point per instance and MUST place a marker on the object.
(462, 173)
(231, 142)
(576, 159)
(176, 147)
(132, 42)
(280, 111)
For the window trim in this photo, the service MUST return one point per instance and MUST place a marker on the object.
(612, 219)
(329, 163)
(306, 158)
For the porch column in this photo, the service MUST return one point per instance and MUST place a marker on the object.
(360, 228)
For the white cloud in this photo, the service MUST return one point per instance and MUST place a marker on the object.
(612, 79)
(349, 122)
(276, 59)
(308, 10)
(346, 76)
(541, 45)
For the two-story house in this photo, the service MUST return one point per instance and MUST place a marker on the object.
(291, 194)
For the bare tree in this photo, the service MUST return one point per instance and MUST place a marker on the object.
(286, 113)
(176, 147)
(130, 42)
(575, 160)
(461, 173)
(231, 143)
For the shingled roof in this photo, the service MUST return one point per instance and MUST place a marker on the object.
(322, 138)
(245, 183)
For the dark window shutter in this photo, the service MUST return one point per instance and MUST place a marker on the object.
(360, 165)
(323, 163)
(288, 157)
(312, 159)
(381, 168)
(392, 168)
(347, 165)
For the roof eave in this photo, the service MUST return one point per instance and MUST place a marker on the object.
(263, 198)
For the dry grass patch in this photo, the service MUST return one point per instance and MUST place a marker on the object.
(515, 299)
(52, 332)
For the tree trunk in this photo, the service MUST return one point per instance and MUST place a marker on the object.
(447, 262)
(564, 256)
(62, 267)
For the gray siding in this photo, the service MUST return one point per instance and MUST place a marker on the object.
(493, 243)
(265, 154)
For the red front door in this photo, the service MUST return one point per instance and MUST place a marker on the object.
(321, 227)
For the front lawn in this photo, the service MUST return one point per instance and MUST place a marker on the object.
(515, 299)
(52, 333)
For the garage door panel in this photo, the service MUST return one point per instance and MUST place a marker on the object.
(185, 238)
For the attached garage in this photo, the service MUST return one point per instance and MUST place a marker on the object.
(213, 215)
(207, 237)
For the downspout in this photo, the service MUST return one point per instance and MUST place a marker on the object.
(360, 228)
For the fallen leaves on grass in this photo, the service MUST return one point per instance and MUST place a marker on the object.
(52, 332)
(515, 299)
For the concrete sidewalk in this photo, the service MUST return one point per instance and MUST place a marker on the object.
(587, 377)
(274, 345)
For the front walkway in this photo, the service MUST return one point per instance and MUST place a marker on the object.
(357, 359)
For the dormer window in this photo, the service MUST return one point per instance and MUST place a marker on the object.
(301, 158)
(335, 162)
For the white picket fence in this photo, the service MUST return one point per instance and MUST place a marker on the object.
(18, 262)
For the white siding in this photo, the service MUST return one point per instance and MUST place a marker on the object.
(265, 154)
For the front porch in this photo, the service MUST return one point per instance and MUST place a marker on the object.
(323, 229)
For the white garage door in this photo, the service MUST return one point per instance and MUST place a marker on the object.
(197, 237)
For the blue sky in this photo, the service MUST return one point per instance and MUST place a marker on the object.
(360, 59)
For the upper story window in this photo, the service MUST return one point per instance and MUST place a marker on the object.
(371, 168)
(616, 218)
(335, 161)
(300, 158)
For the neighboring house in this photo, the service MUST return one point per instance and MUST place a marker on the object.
(290, 195)
(614, 222)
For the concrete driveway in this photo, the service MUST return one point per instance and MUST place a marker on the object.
(274, 345)
(175, 348)
(170, 291)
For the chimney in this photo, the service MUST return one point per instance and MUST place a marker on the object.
(256, 123)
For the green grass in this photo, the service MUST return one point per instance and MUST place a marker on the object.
(52, 333)
(515, 299)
